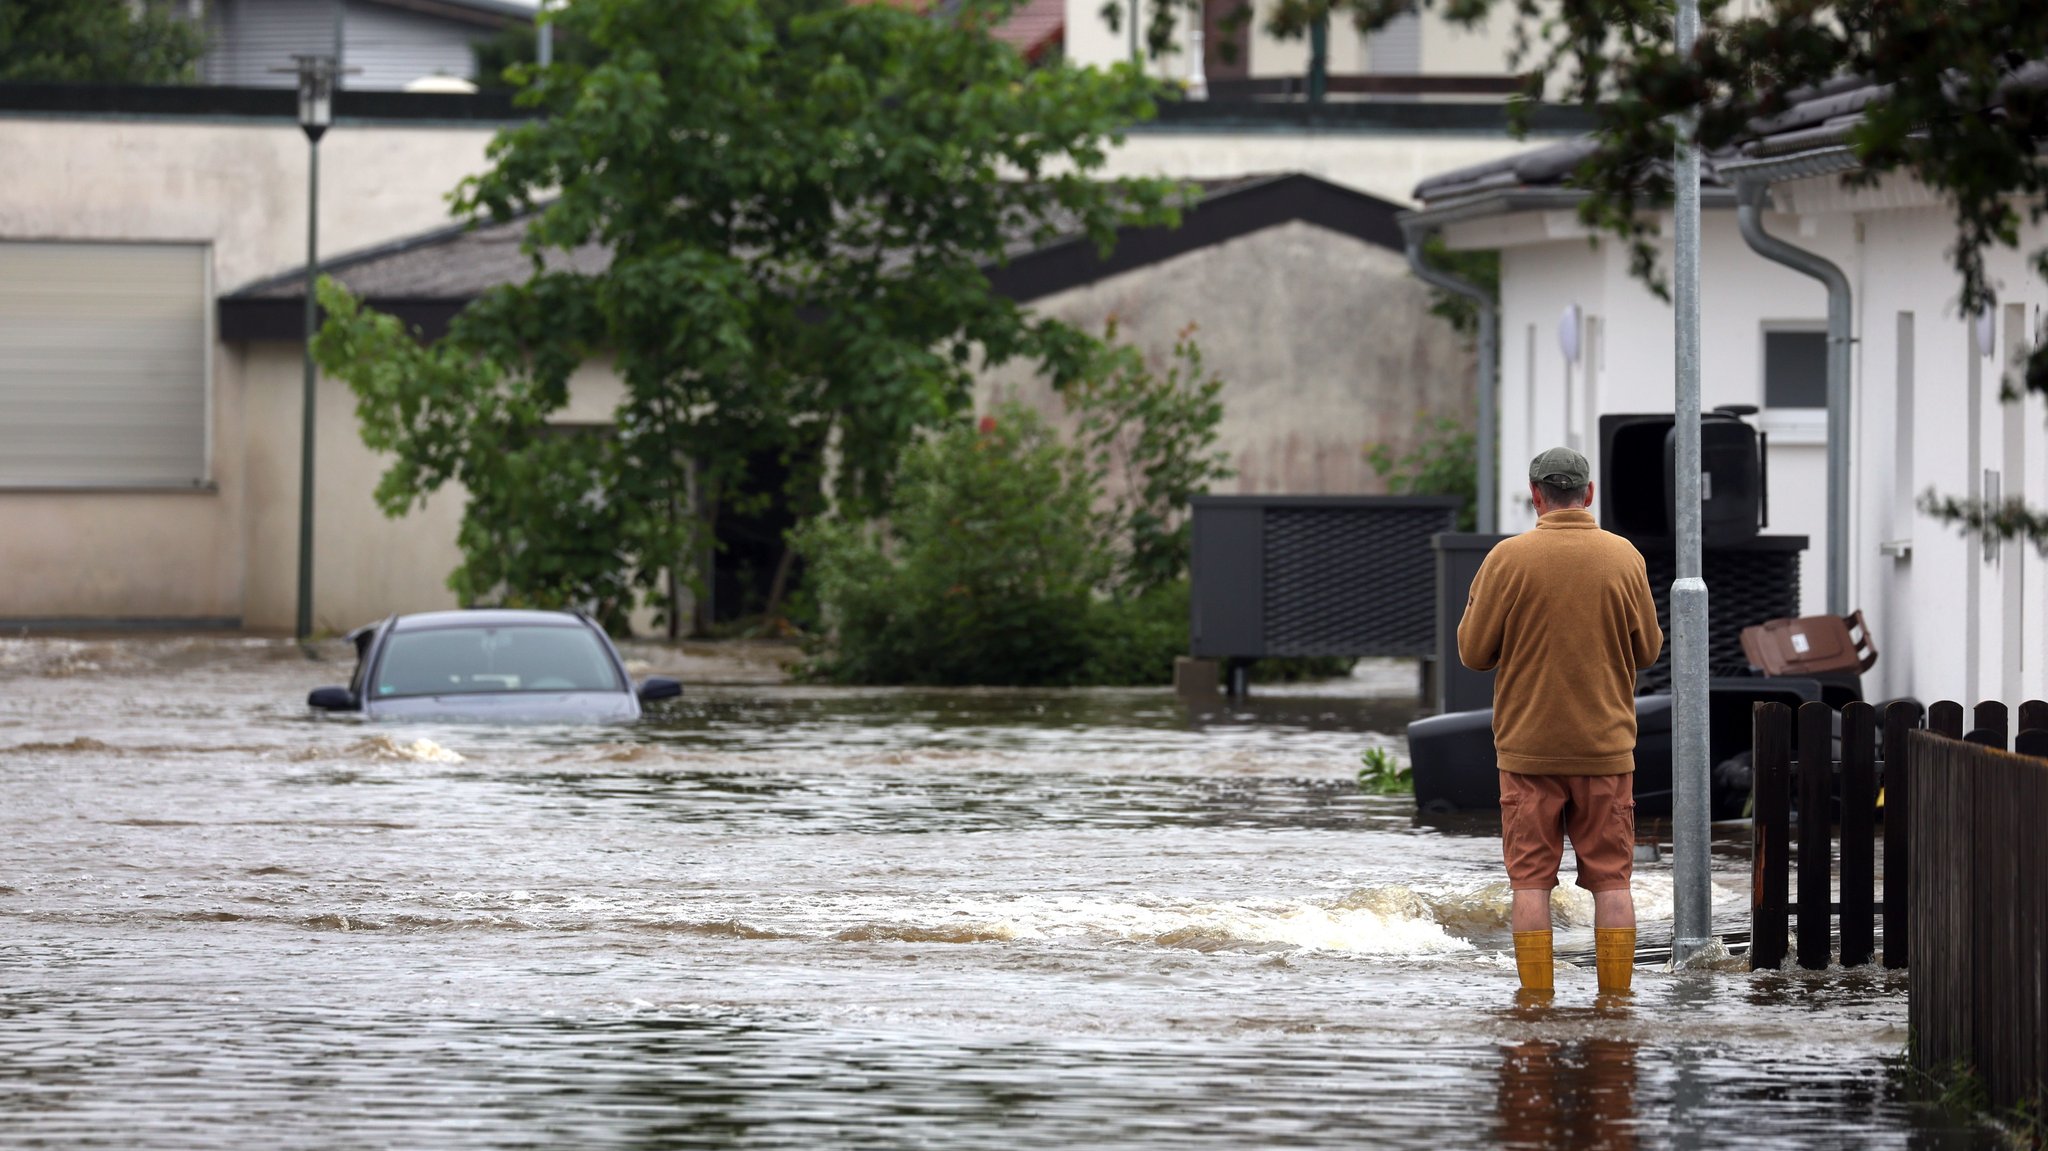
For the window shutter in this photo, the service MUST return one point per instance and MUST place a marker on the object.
(103, 365)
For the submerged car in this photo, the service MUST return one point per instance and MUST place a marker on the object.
(490, 666)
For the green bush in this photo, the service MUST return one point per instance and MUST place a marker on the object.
(1135, 640)
(1445, 462)
(1000, 560)
(986, 572)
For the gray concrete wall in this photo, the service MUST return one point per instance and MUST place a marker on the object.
(1325, 344)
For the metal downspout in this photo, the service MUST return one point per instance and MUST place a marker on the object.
(1750, 216)
(1484, 447)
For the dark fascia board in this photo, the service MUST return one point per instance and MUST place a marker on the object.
(1057, 267)
(1234, 212)
(284, 320)
(1388, 116)
(1511, 200)
(196, 101)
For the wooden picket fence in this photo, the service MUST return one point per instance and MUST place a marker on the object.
(1966, 908)
(1777, 769)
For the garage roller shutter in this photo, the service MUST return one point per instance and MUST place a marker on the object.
(103, 365)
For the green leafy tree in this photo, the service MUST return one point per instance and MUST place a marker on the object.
(1445, 462)
(797, 202)
(1481, 268)
(1963, 110)
(98, 42)
(1150, 440)
(493, 57)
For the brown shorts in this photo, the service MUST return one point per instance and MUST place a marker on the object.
(1598, 811)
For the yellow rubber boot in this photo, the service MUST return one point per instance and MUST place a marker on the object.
(1614, 954)
(1533, 962)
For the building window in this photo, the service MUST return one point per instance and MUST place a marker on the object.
(104, 363)
(1795, 372)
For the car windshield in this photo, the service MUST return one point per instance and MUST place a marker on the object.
(452, 660)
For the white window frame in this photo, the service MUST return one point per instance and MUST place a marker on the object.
(1787, 425)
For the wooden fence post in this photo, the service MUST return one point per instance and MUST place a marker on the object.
(1989, 725)
(1899, 718)
(1946, 718)
(2032, 736)
(1978, 901)
(1859, 832)
(1770, 830)
(1816, 831)
(2030, 916)
(1938, 978)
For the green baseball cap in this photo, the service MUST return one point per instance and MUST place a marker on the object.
(1562, 468)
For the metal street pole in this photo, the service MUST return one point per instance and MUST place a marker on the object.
(316, 112)
(305, 622)
(1693, 891)
(1319, 60)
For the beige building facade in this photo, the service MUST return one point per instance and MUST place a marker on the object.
(221, 548)
(203, 531)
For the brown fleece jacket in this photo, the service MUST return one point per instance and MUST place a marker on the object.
(1562, 616)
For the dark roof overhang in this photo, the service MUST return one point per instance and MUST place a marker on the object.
(1507, 201)
(424, 280)
(1809, 138)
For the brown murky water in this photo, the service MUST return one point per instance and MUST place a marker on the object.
(781, 917)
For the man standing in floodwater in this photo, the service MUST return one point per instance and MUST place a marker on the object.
(1562, 615)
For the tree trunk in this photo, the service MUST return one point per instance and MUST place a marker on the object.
(779, 586)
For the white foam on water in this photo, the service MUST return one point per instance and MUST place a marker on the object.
(389, 747)
(1392, 927)
(1484, 907)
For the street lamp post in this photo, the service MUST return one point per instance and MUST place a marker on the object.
(1692, 896)
(316, 112)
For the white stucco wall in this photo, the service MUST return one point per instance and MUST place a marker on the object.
(1627, 362)
(1950, 623)
(1932, 595)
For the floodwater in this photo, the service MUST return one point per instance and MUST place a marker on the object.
(803, 917)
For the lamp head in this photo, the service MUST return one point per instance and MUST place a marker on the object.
(316, 94)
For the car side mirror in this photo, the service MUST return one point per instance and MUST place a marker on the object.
(659, 687)
(332, 699)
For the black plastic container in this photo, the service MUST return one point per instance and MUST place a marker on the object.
(1639, 476)
(1455, 767)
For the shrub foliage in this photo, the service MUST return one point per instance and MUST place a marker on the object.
(1010, 554)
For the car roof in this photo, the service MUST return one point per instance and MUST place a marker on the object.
(485, 617)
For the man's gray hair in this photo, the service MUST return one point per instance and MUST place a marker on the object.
(1557, 497)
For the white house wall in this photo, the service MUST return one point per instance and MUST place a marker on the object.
(1931, 595)
(1950, 621)
(393, 47)
(1627, 362)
